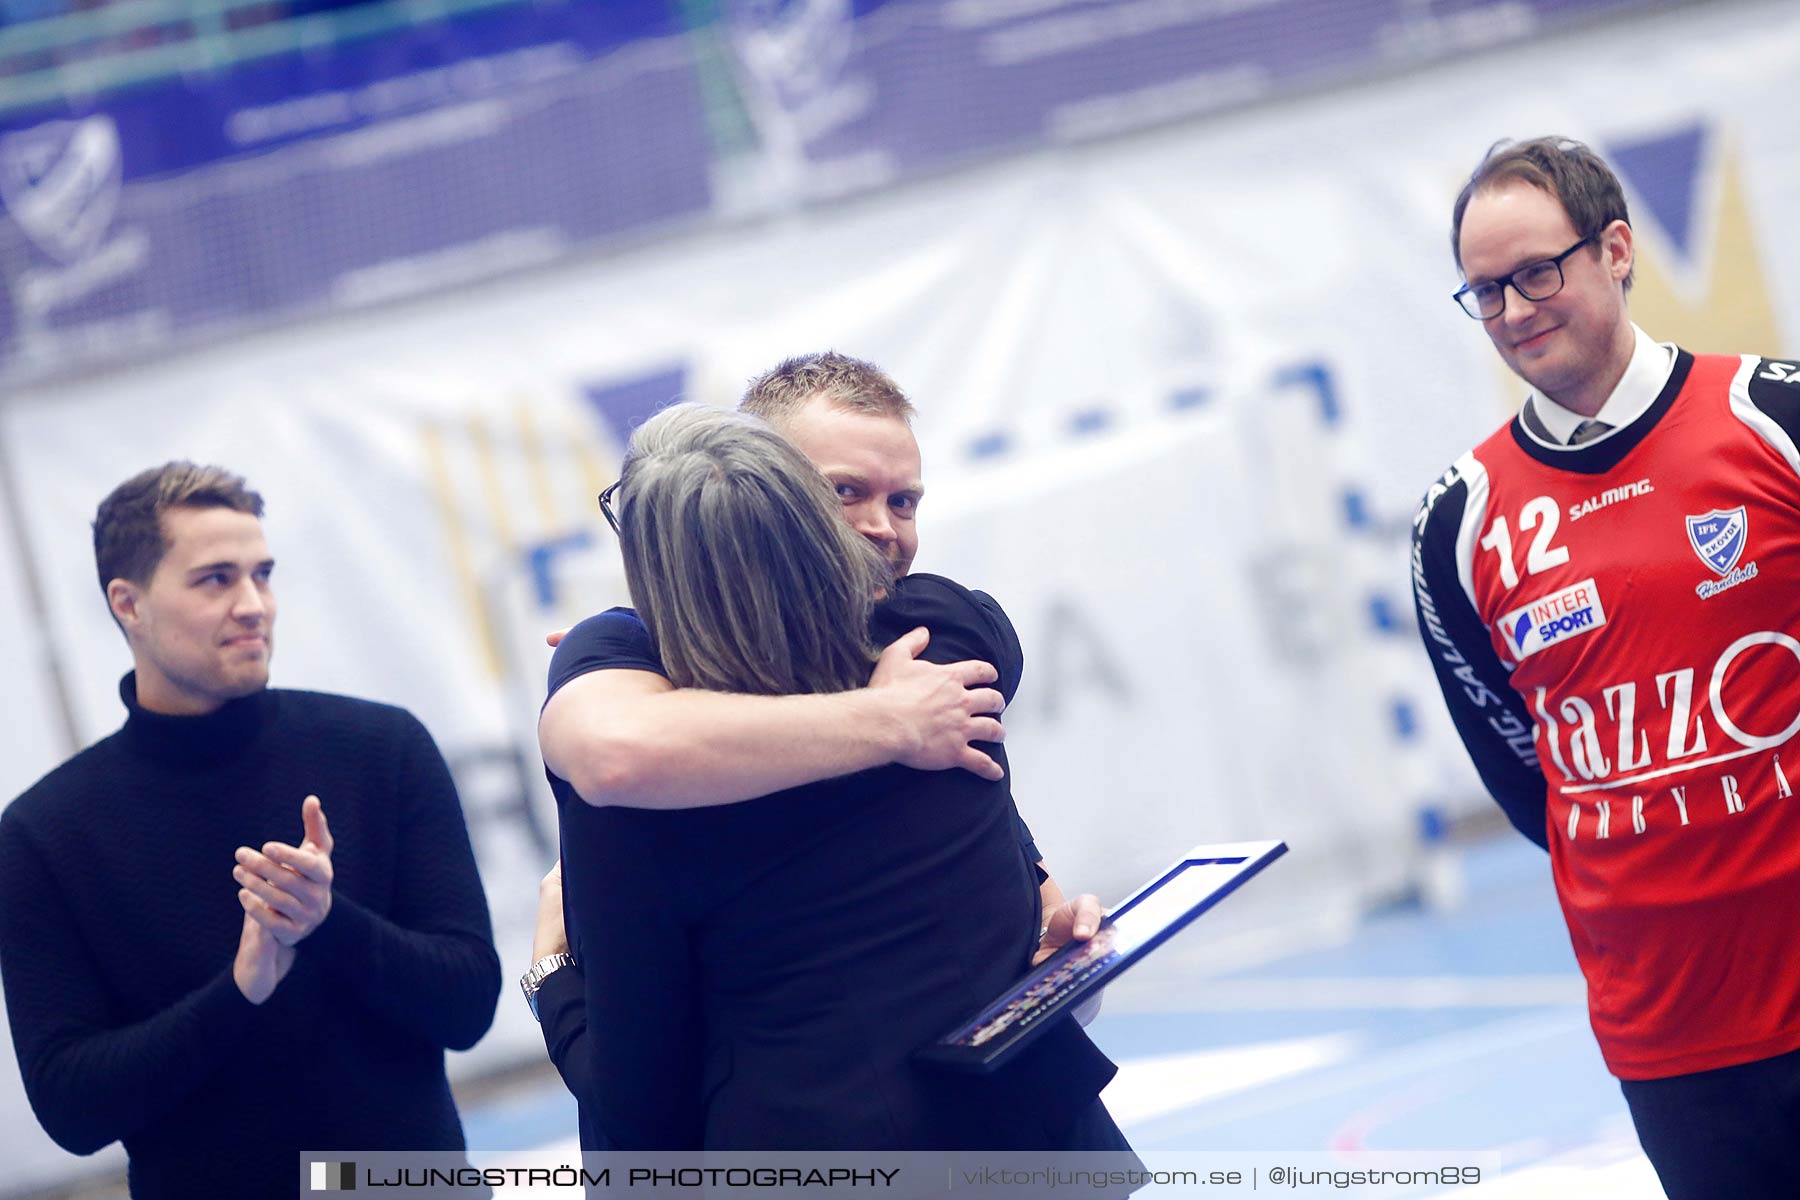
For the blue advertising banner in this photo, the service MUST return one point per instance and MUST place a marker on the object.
(305, 182)
(858, 94)
(507, 134)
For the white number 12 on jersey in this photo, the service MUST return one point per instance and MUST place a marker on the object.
(1540, 514)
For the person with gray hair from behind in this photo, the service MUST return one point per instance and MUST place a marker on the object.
(1606, 589)
(757, 975)
(218, 1036)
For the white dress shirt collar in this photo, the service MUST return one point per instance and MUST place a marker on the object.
(1644, 379)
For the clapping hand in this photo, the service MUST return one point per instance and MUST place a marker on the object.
(287, 889)
(261, 962)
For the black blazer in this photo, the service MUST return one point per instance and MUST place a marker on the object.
(757, 975)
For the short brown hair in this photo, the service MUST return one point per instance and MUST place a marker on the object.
(1579, 179)
(841, 381)
(128, 532)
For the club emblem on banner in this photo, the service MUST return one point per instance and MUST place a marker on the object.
(60, 180)
(794, 48)
(1718, 537)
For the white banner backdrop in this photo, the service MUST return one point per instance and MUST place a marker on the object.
(32, 727)
(1178, 397)
(31, 731)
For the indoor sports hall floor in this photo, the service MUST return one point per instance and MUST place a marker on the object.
(1455, 1028)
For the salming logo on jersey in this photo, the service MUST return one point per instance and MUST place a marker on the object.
(1555, 618)
(1612, 495)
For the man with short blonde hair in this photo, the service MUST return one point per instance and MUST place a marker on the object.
(829, 377)
(619, 732)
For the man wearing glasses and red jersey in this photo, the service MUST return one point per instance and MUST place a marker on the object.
(1604, 587)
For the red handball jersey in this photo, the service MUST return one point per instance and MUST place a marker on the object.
(1616, 630)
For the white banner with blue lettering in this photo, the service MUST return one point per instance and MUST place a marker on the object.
(1178, 397)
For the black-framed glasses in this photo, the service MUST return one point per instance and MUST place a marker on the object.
(1534, 281)
(606, 506)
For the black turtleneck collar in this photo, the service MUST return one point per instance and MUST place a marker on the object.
(211, 737)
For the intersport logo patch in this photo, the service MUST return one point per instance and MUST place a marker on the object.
(1553, 619)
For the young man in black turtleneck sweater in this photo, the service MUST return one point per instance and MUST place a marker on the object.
(218, 1036)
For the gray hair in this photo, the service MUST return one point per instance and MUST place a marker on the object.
(739, 561)
(843, 382)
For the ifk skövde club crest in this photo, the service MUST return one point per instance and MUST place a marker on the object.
(1718, 537)
(61, 180)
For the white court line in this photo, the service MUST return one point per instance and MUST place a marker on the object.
(1316, 993)
(1432, 1055)
(1147, 1088)
(1257, 946)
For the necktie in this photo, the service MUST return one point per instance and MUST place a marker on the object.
(1587, 431)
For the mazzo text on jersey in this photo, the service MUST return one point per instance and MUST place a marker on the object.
(1644, 746)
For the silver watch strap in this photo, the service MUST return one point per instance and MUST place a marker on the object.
(542, 969)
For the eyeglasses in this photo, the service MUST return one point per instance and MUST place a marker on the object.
(1534, 281)
(606, 507)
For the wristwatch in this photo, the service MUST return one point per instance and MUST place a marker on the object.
(541, 970)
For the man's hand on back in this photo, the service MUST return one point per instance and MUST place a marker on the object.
(940, 708)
